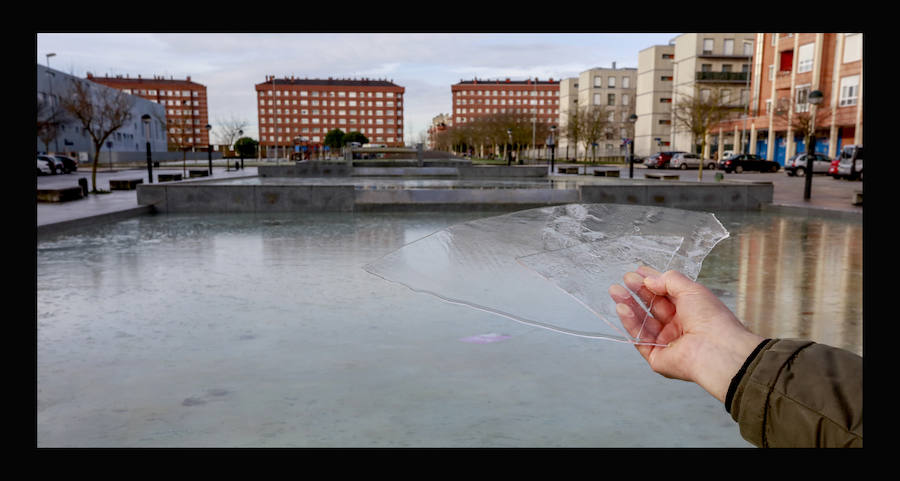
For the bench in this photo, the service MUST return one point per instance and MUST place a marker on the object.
(567, 170)
(607, 173)
(124, 184)
(662, 176)
(857, 197)
(198, 173)
(60, 195)
(168, 177)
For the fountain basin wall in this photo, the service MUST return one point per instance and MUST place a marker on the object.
(254, 194)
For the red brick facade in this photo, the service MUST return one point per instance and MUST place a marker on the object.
(475, 98)
(187, 112)
(289, 108)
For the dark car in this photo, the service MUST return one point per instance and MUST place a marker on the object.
(69, 164)
(660, 160)
(797, 164)
(741, 162)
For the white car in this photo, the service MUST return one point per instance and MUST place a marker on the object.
(43, 167)
(686, 160)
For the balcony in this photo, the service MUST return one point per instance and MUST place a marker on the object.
(722, 77)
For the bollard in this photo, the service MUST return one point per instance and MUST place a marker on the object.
(82, 182)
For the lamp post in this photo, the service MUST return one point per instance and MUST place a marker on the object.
(146, 120)
(632, 119)
(50, 76)
(240, 135)
(509, 148)
(552, 144)
(815, 98)
(209, 148)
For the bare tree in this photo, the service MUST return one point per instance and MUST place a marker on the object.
(595, 124)
(100, 111)
(697, 114)
(49, 118)
(572, 130)
(227, 130)
(800, 122)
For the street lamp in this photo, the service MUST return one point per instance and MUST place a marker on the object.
(552, 144)
(509, 148)
(240, 135)
(209, 147)
(146, 120)
(815, 98)
(632, 119)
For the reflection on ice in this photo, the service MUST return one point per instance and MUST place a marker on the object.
(529, 265)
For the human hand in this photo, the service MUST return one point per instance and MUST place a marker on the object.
(694, 336)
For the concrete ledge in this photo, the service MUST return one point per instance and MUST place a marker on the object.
(209, 197)
(198, 173)
(406, 172)
(426, 197)
(306, 169)
(695, 195)
(64, 194)
(501, 171)
(168, 177)
(55, 228)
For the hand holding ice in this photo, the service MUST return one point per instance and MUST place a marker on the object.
(551, 267)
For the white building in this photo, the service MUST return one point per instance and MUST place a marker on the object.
(129, 142)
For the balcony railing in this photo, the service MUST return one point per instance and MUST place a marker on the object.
(736, 77)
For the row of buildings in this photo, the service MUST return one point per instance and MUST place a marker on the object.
(752, 72)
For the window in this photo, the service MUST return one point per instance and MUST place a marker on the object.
(787, 60)
(626, 82)
(805, 58)
(611, 99)
(729, 47)
(668, 56)
(849, 90)
(666, 78)
(624, 99)
(852, 47)
(748, 49)
(611, 83)
(800, 99)
(598, 81)
(726, 68)
(704, 94)
(706, 67)
(707, 46)
(771, 72)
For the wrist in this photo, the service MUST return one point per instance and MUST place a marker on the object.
(728, 359)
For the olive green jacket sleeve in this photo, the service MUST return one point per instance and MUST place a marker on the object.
(794, 393)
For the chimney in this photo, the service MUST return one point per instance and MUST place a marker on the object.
(188, 78)
(614, 65)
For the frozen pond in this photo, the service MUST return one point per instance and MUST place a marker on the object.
(265, 331)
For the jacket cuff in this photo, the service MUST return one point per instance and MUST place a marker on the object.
(736, 380)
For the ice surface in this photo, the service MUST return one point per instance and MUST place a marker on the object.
(552, 267)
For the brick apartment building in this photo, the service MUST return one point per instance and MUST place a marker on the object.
(475, 98)
(187, 112)
(291, 107)
(787, 66)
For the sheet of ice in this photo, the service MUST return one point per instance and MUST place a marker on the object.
(552, 267)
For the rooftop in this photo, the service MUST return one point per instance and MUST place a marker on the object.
(342, 82)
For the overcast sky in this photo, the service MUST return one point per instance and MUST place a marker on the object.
(231, 64)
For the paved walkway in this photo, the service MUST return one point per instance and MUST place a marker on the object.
(829, 196)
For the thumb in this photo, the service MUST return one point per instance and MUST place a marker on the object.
(670, 283)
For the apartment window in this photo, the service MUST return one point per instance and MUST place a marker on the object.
(626, 82)
(665, 100)
(706, 67)
(611, 83)
(748, 49)
(849, 90)
(598, 81)
(787, 61)
(666, 78)
(707, 46)
(624, 99)
(726, 68)
(668, 56)
(852, 47)
(611, 99)
(704, 94)
(805, 58)
(729, 47)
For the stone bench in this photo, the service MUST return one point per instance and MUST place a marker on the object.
(60, 195)
(124, 184)
(607, 173)
(567, 170)
(198, 173)
(168, 177)
(857, 197)
(662, 176)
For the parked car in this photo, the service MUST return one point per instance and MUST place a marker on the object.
(741, 162)
(660, 160)
(55, 165)
(43, 167)
(851, 164)
(70, 164)
(797, 164)
(685, 160)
